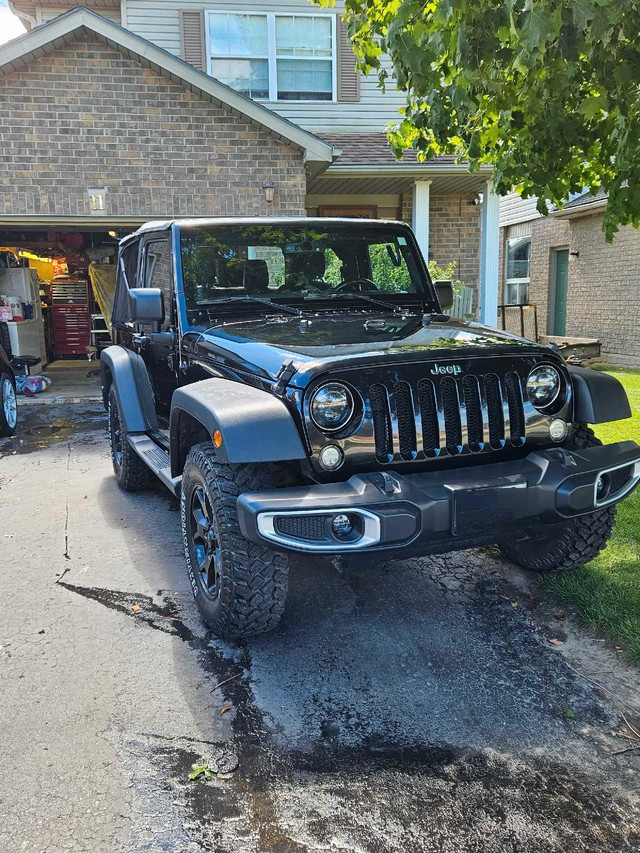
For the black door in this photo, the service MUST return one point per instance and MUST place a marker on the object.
(160, 340)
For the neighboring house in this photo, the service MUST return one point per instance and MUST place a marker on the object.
(582, 286)
(187, 107)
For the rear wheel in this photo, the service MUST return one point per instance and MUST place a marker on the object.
(130, 471)
(8, 405)
(240, 587)
(571, 544)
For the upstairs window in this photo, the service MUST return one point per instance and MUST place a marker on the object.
(274, 57)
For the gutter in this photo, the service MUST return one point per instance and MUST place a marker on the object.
(581, 210)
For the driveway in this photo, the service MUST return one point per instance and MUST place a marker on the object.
(417, 707)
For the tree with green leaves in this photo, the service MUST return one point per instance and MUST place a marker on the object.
(547, 92)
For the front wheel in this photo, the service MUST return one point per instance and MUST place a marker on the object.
(240, 587)
(8, 405)
(572, 543)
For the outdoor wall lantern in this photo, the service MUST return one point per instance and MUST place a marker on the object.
(269, 190)
(574, 254)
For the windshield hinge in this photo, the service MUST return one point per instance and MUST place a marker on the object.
(284, 375)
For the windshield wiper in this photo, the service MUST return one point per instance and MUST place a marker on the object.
(379, 302)
(290, 309)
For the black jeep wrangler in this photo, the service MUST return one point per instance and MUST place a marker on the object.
(296, 383)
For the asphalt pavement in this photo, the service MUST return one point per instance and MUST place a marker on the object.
(418, 706)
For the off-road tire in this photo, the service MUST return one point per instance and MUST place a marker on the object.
(130, 471)
(571, 544)
(5, 427)
(252, 577)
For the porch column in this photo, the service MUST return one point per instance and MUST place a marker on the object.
(489, 285)
(420, 216)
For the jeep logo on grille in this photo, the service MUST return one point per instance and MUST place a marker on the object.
(440, 369)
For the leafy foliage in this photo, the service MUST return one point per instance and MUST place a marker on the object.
(545, 91)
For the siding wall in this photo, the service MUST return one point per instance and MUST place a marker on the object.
(158, 21)
(389, 204)
(515, 209)
(47, 13)
(87, 116)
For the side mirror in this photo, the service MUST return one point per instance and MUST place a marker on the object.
(146, 305)
(445, 294)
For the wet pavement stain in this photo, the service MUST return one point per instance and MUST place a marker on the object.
(40, 427)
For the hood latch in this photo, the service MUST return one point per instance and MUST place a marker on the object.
(284, 375)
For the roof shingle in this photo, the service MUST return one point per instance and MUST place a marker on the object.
(373, 149)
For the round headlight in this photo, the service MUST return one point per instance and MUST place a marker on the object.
(543, 385)
(331, 406)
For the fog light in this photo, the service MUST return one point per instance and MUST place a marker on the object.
(558, 429)
(342, 526)
(603, 484)
(330, 457)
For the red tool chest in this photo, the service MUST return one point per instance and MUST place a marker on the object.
(70, 316)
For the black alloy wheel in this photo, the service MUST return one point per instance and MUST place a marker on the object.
(204, 543)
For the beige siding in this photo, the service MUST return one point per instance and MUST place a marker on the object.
(158, 21)
(47, 13)
(514, 209)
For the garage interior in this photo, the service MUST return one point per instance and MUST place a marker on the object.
(56, 293)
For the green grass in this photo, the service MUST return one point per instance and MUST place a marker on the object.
(606, 592)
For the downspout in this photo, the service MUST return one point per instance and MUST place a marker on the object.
(28, 20)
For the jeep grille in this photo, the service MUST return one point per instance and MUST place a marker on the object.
(447, 415)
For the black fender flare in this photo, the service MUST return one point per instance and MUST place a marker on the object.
(597, 397)
(256, 426)
(127, 372)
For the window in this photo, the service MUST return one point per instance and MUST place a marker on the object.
(516, 291)
(274, 57)
(157, 273)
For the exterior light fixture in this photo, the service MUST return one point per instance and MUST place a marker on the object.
(574, 254)
(269, 190)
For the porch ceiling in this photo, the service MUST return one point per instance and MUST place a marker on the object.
(367, 180)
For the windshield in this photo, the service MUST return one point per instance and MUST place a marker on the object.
(283, 261)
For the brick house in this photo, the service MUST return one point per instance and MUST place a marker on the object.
(582, 286)
(135, 110)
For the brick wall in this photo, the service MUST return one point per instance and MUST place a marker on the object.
(87, 116)
(603, 295)
(454, 234)
(604, 289)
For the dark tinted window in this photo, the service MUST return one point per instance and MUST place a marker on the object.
(281, 260)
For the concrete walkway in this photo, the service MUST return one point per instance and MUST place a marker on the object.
(73, 382)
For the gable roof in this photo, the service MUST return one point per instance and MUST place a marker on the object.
(82, 21)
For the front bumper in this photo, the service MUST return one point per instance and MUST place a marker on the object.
(442, 510)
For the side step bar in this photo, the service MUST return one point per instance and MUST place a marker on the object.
(155, 458)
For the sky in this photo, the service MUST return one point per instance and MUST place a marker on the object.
(10, 26)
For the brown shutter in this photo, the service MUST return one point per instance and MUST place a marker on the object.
(348, 77)
(192, 39)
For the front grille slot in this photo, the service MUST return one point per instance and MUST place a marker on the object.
(515, 403)
(429, 417)
(381, 417)
(475, 430)
(447, 415)
(406, 418)
(494, 410)
(451, 407)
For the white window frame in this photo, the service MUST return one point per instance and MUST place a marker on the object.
(519, 281)
(271, 47)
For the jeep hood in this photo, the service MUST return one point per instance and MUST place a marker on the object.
(335, 341)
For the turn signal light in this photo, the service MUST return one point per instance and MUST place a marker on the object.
(217, 438)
